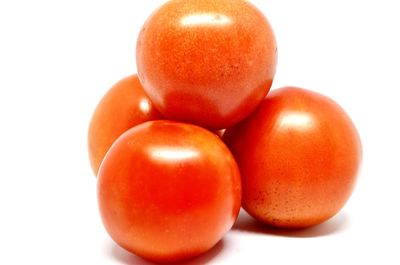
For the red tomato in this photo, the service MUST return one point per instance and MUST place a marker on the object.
(124, 106)
(298, 154)
(168, 191)
(206, 62)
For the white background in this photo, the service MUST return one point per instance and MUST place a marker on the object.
(58, 58)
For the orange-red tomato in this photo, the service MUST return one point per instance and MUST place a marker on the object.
(298, 154)
(124, 106)
(168, 191)
(206, 62)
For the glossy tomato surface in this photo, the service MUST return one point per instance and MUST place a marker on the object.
(168, 191)
(298, 154)
(206, 62)
(124, 106)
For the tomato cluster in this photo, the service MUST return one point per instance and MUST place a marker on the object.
(170, 181)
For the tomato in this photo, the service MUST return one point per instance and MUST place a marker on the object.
(168, 191)
(124, 106)
(298, 154)
(206, 62)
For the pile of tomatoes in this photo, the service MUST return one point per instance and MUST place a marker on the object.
(171, 179)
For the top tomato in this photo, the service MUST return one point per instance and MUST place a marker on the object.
(206, 62)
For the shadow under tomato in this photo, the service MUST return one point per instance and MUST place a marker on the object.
(337, 224)
(125, 257)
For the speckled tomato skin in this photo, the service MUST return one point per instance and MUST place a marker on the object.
(206, 62)
(298, 154)
(122, 107)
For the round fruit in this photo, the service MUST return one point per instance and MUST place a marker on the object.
(298, 154)
(206, 62)
(168, 191)
(124, 106)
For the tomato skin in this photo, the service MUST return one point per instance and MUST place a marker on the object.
(122, 107)
(298, 154)
(168, 191)
(206, 62)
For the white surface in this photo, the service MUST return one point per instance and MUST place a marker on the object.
(57, 58)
